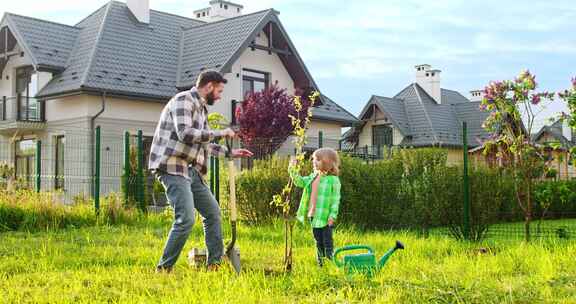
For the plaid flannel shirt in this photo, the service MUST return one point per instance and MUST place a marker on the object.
(327, 201)
(183, 138)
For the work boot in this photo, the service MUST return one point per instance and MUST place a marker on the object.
(161, 269)
(213, 267)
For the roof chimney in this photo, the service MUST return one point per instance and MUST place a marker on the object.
(140, 9)
(476, 95)
(429, 80)
(219, 10)
(566, 130)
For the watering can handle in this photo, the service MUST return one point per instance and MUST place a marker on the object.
(349, 248)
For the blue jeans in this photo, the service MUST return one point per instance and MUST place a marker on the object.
(324, 243)
(185, 195)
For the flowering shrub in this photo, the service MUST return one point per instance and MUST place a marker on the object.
(512, 106)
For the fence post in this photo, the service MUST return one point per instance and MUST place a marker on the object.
(320, 139)
(38, 165)
(217, 178)
(466, 182)
(127, 169)
(366, 154)
(97, 172)
(140, 173)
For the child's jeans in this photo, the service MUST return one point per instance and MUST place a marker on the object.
(324, 243)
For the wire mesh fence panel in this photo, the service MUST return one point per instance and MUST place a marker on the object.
(380, 195)
(377, 191)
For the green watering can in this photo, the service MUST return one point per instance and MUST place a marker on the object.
(363, 263)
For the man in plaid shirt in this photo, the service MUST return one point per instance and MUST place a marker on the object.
(180, 148)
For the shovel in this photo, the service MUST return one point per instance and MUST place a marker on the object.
(232, 252)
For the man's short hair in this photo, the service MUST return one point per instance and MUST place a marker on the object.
(209, 76)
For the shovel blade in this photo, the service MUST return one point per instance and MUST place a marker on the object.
(234, 257)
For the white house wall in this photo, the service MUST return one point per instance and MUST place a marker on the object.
(377, 119)
(8, 81)
(256, 60)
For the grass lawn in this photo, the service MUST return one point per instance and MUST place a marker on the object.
(116, 264)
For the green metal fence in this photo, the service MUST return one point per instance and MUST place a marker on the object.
(83, 165)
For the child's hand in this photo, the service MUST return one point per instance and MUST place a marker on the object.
(293, 161)
(330, 222)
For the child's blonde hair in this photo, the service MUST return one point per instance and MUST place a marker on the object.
(328, 159)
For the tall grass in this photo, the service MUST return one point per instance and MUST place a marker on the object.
(30, 211)
(115, 264)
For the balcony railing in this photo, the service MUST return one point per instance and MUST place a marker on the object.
(21, 108)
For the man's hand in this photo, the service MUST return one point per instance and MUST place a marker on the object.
(228, 133)
(241, 153)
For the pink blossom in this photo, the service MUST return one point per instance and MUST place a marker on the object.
(535, 99)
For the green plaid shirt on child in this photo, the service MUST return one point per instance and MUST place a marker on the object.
(327, 201)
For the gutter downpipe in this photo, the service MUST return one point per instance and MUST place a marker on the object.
(92, 138)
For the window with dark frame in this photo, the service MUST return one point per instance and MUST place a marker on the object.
(24, 160)
(254, 81)
(382, 136)
(59, 163)
(29, 108)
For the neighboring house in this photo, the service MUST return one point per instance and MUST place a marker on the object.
(117, 68)
(421, 115)
(558, 132)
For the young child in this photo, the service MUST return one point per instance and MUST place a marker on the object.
(320, 199)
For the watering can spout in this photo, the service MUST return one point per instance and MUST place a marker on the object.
(387, 255)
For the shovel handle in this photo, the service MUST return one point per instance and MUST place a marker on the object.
(231, 179)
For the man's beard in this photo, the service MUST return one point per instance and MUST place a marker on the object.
(210, 99)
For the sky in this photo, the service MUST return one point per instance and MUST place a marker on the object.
(356, 49)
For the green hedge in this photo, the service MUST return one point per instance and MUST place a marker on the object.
(415, 189)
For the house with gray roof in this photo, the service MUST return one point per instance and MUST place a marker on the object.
(558, 132)
(117, 67)
(423, 114)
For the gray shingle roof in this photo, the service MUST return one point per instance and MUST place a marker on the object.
(555, 130)
(212, 45)
(111, 51)
(330, 110)
(423, 122)
(49, 44)
(116, 53)
(396, 111)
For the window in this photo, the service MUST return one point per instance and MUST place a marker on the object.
(238, 9)
(29, 108)
(59, 163)
(147, 146)
(198, 15)
(382, 136)
(225, 6)
(254, 81)
(24, 160)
